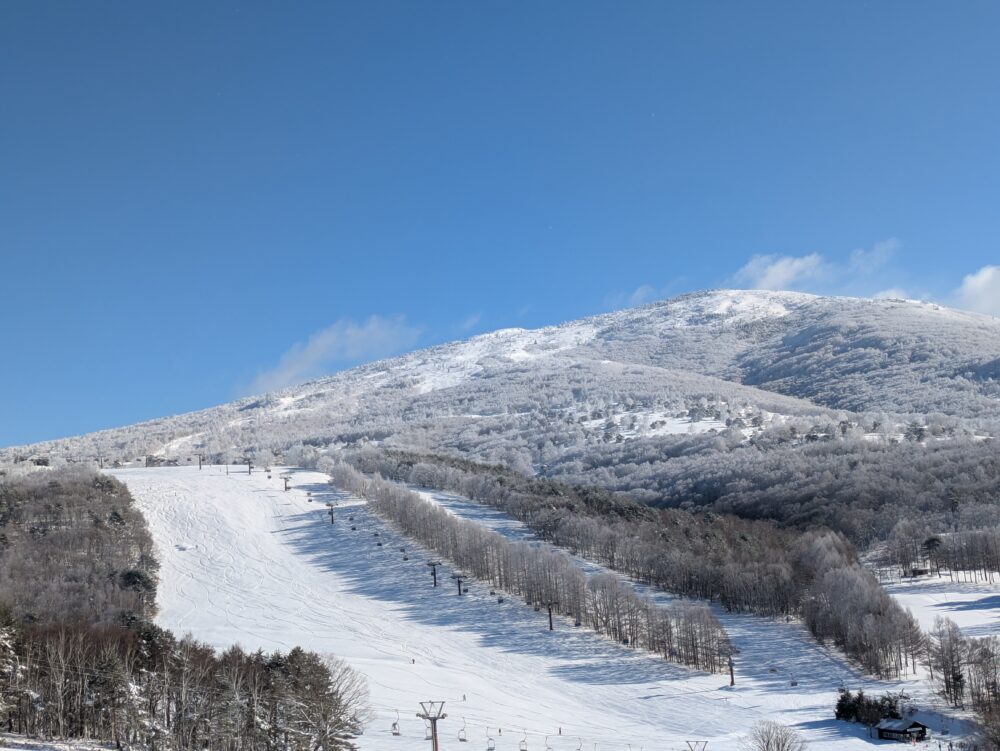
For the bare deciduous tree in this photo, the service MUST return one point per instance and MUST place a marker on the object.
(768, 735)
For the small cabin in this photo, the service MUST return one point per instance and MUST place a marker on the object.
(901, 730)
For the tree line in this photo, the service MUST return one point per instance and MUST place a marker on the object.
(81, 658)
(965, 668)
(686, 633)
(138, 686)
(967, 553)
(747, 566)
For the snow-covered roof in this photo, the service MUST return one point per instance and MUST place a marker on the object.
(899, 725)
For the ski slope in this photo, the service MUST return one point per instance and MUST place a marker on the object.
(244, 562)
(973, 606)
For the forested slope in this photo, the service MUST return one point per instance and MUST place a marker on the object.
(81, 658)
(845, 412)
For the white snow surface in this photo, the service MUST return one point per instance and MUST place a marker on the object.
(244, 562)
(973, 606)
(14, 742)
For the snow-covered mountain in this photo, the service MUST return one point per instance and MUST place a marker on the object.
(847, 412)
(692, 365)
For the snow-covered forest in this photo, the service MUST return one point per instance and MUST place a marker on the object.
(848, 413)
(80, 655)
(749, 452)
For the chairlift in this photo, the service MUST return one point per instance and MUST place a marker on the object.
(406, 557)
(490, 743)
(579, 744)
(379, 544)
(461, 733)
(353, 528)
(428, 736)
(523, 745)
(395, 725)
(499, 599)
(547, 746)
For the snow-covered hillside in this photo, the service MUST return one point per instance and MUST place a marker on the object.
(750, 356)
(243, 561)
(973, 606)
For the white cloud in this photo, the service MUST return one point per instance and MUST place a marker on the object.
(865, 262)
(345, 341)
(782, 272)
(980, 291)
(893, 293)
(859, 274)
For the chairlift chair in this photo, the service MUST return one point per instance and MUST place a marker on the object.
(395, 725)
(427, 731)
(490, 743)
(523, 745)
(461, 733)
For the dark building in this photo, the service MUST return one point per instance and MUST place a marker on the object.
(901, 730)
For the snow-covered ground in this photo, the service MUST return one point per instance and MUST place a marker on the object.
(242, 561)
(12, 742)
(974, 606)
(773, 653)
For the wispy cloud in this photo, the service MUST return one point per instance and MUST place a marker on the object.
(643, 294)
(782, 272)
(344, 342)
(980, 291)
(893, 293)
(862, 270)
(469, 323)
(865, 262)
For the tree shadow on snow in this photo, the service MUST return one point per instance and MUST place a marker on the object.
(380, 573)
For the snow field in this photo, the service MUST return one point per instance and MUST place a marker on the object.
(244, 562)
(974, 606)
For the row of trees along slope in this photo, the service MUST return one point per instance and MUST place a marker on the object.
(81, 658)
(686, 633)
(747, 566)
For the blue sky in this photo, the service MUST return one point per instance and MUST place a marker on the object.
(200, 199)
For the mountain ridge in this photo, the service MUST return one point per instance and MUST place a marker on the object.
(674, 402)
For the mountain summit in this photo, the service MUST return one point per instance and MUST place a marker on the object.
(708, 398)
